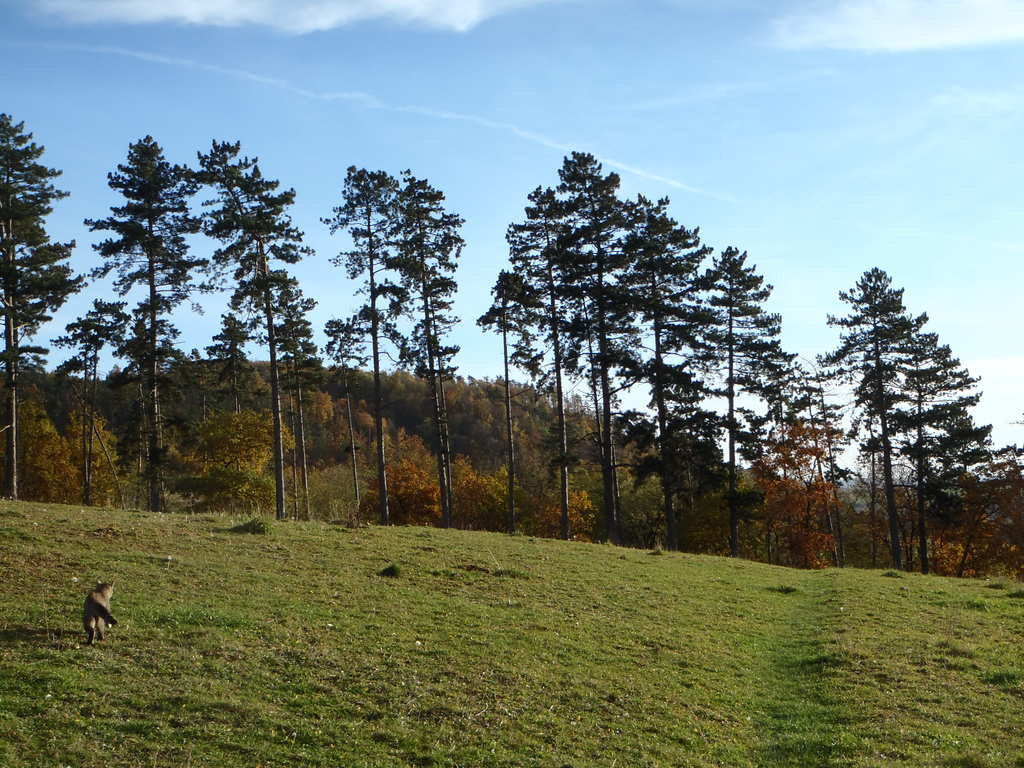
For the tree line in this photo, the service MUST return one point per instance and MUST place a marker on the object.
(740, 450)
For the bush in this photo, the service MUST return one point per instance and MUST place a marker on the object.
(258, 525)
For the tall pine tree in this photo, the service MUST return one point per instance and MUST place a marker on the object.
(666, 290)
(872, 355)
(346, 346)
(35, 278)
(428, 246)
(745, 344)
(508, 315)
(368, 214)
(939, 435)
(303, 368)
(149, 250)
(594, 222)
(535, 248)
(250, 217)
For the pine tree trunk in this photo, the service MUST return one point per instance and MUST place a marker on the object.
(442, 473)
(607, 486)
(295, 459)
(734, 513)
(922, 524)
(378, 403)
(83, 429)
(510, 457)
(140, 466)
(91, 427)
(11, 395)
(667, 489)
(154, 456)
(445, 440)
(873, 512)
(435, 377)
(887, 474)
(300, 439)
(275, 394)
(608, 455)
(352, 444)
(563, 444)
(895, 546)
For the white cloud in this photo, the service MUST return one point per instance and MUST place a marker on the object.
(299, 16)
(902, 25)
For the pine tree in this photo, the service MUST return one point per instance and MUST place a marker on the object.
(745, 345)
(346, 346)
(594, 223)
(100, 327)
(872, 355)
(303, 368)
(250, 217)
(34, 275)
(149, 250)
(428, 245)
(940, 437)
(368, 213)
(228, 354)
(666, 291)
(509, 314)
(535, 253)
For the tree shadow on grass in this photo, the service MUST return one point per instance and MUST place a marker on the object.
(35, 636)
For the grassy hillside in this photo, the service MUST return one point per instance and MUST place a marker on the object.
(292, 648)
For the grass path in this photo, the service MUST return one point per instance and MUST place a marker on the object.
(804, 723)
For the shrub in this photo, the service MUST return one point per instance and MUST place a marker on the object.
(257, 525)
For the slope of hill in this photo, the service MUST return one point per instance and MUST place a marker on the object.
(301, 646)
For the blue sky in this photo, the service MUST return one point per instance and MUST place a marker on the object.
(825, 137)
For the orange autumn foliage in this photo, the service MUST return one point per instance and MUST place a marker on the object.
(797, 497)
(988, 535)
(413, 494)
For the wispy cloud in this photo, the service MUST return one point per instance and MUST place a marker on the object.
(721, 91)
(985, 103)
(902, 25)
(369, 101)
(299, 16)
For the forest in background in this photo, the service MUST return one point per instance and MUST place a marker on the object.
(738, 453)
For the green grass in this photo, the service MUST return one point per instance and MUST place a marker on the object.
(484, 650)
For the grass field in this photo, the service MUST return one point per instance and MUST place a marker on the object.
(316, 645)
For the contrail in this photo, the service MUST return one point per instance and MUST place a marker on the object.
(368, 101)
